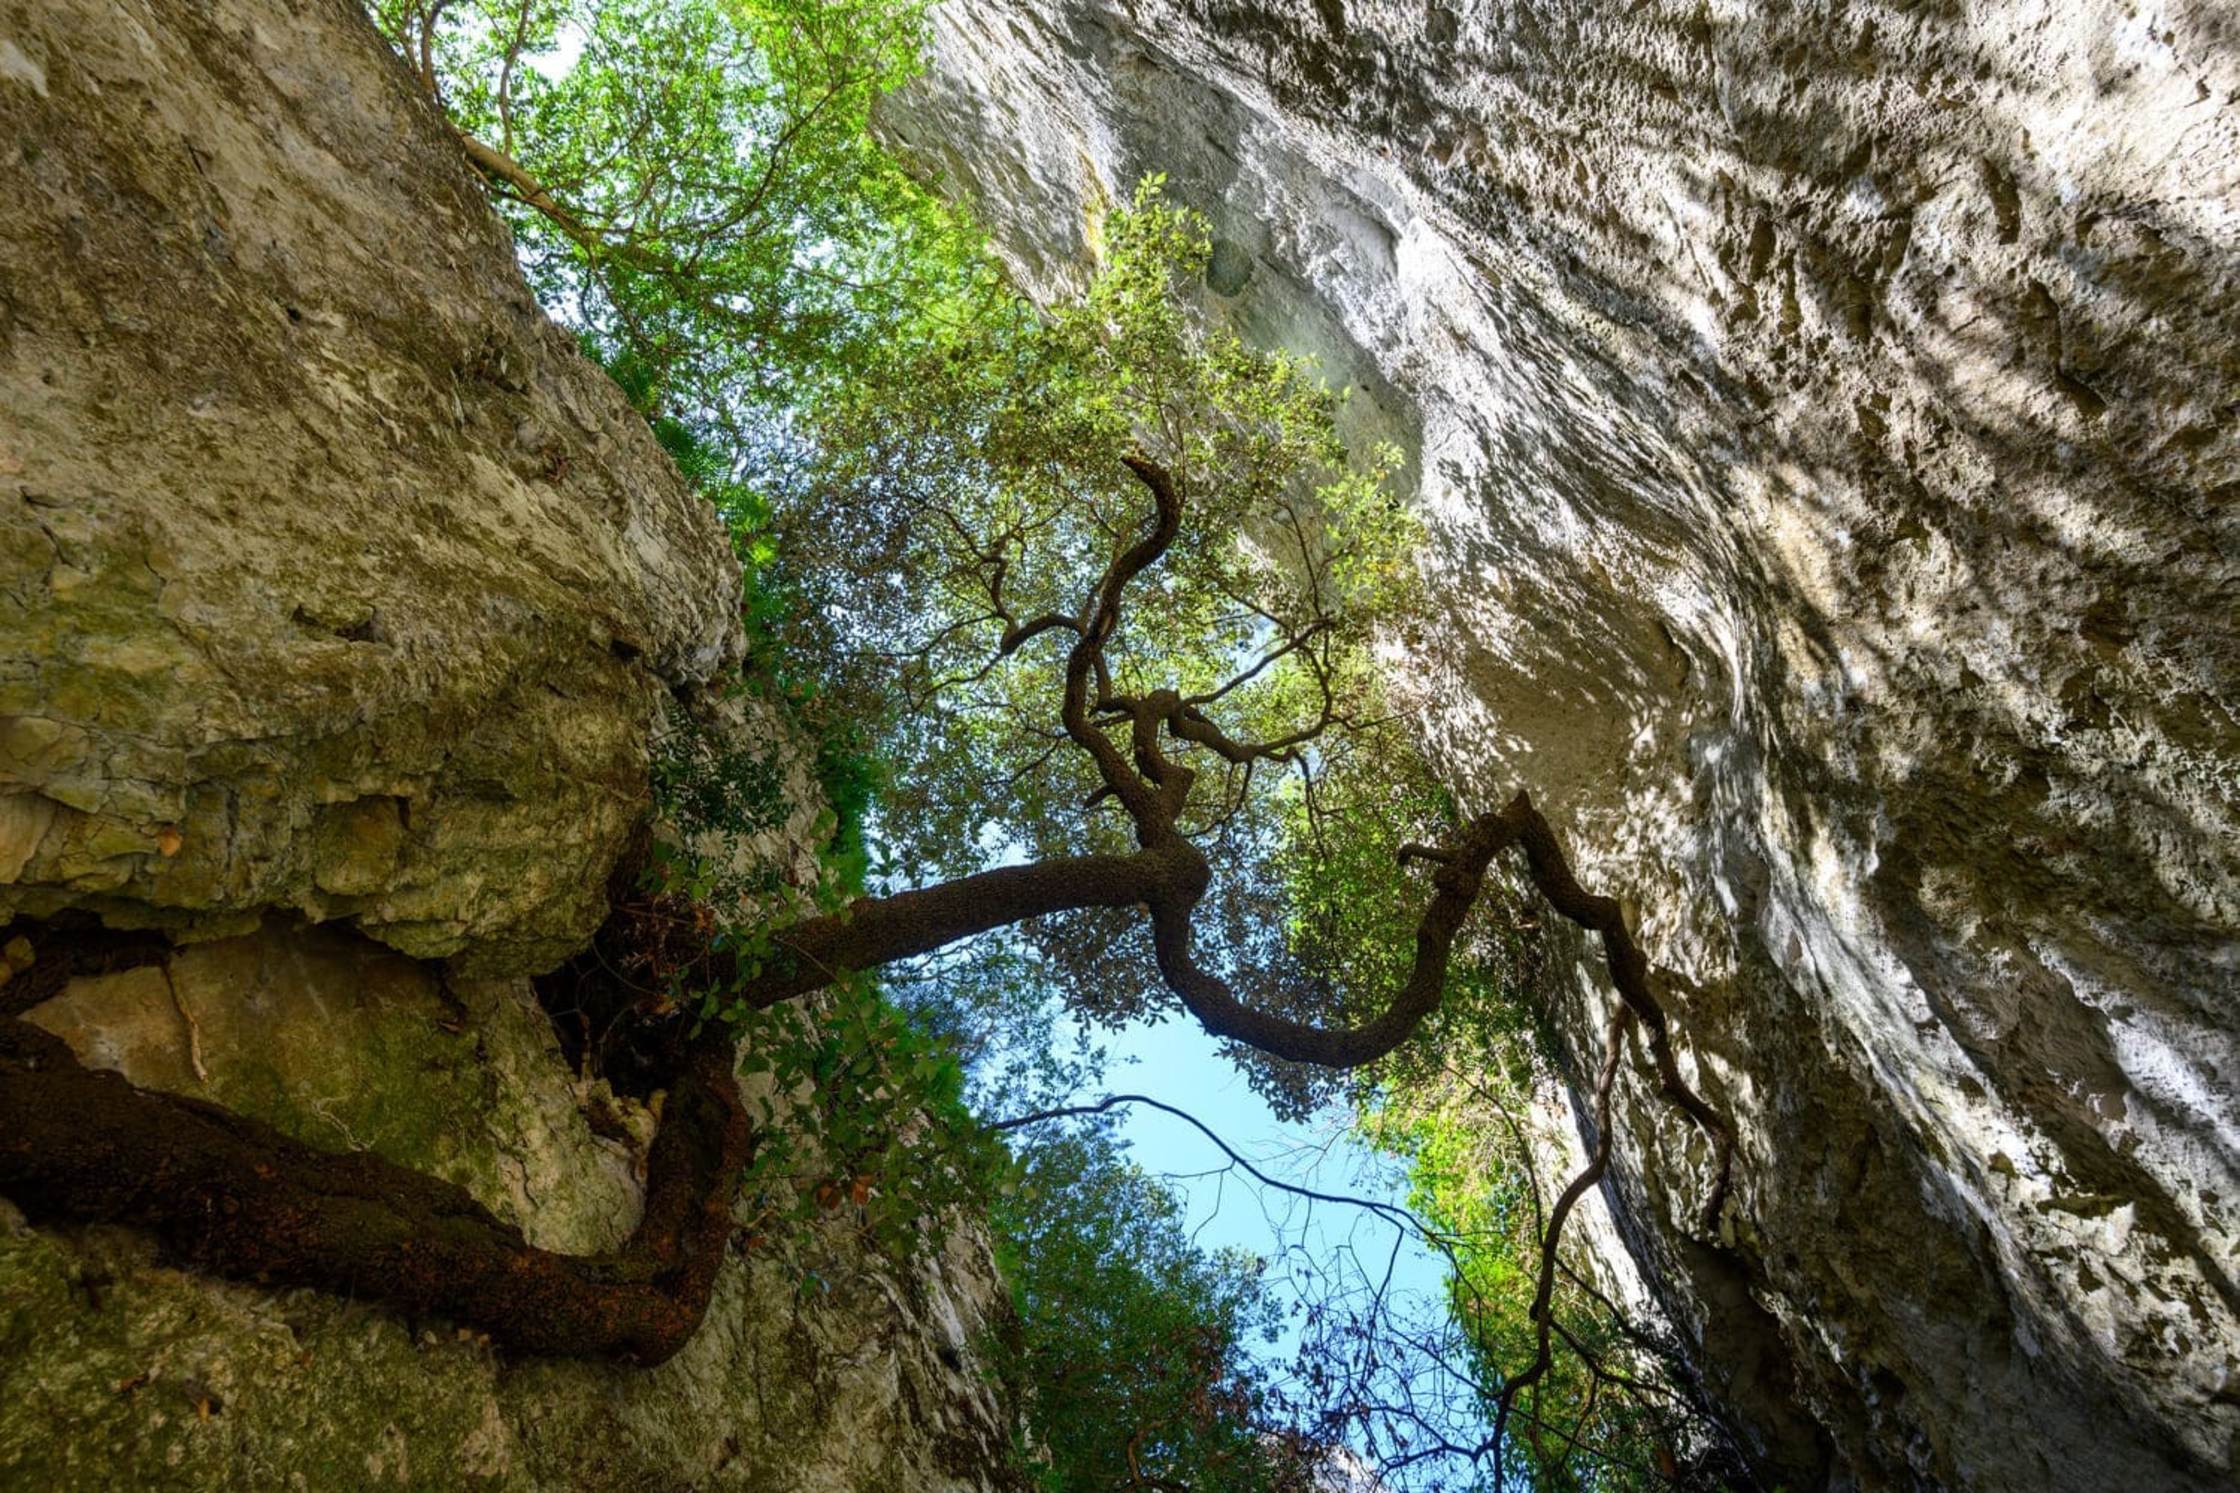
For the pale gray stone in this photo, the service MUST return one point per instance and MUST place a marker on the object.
(1825, 418)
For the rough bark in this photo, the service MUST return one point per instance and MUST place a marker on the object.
(238, 1198)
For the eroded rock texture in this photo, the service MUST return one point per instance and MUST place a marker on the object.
(331, 578)
(820, 1368)
(337, 595)
(1828, 417)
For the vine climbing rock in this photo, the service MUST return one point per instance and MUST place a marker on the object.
(337, 598)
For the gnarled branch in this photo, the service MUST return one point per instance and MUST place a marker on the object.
(240, 1199)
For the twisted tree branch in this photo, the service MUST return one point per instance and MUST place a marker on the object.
(237, 1198)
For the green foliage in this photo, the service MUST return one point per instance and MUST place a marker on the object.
(703, 786)
(1130, 1350)
(912, 462)
(863, 1113)
(993, 438)
(861, 1105)
(692, 181)
(851, 779)
(1587, 1426)
(970, 479)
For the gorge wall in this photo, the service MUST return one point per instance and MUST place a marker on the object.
(338, 599)
(1827, 417)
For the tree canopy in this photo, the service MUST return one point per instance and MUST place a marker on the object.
(693, 185)
(1128, 589)
(1131, 1347)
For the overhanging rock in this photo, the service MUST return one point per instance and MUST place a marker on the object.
(332, 579)
(1826, 420)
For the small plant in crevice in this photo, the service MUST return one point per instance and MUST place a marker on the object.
(707, 789)
(863, 1117)
(859, 1107)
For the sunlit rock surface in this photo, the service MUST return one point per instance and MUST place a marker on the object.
(331, 578)
(1828, 417)
(336, 599)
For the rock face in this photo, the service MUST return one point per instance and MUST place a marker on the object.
(1828, 420)
(821, 1367)
(337, 599)
(332, 578)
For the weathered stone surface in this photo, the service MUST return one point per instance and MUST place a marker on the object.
(1828, 416)
(336, 590)
(331, 578)
(821, 1368)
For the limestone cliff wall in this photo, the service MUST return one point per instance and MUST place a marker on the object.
(338, 598)
(331, 578)
(1826, 418)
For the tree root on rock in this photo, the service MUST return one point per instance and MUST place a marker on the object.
(240, 1199)
(235, 1197)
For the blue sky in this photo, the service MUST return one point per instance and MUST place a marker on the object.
(1176, 1062)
